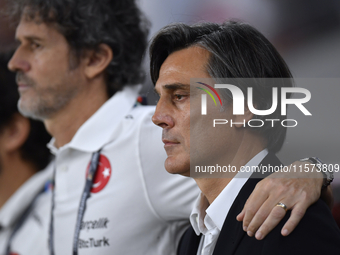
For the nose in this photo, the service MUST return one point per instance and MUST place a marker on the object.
(162, 116)
(18, 62)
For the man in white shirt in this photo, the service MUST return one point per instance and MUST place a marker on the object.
(78, 68)
(24, 197)
(183, 60)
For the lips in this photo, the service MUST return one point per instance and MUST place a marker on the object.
(23, 86)
(23, 81)
(169, 142)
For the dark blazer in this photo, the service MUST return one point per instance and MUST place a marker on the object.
(317, 233)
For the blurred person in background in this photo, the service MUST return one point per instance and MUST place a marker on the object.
(24, 200)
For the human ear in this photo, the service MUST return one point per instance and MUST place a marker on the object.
(97, 60)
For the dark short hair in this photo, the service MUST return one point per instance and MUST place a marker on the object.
(237, 50)
(34, 149)
(88, 23)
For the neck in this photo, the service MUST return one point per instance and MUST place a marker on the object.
(14, 172)
(65, 123)
(212, 187)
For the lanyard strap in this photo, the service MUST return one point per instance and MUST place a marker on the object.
(84, 197)
(82, 206)
(23, 217)
(51, 230)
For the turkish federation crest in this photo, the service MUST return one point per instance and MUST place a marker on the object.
(103, 174)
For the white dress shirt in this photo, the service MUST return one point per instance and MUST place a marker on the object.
(209, 220)
(136, 207)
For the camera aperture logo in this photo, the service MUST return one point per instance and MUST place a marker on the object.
(238, 104)
(204, 97)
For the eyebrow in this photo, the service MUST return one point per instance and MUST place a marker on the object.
(174, 86)
(30, 38)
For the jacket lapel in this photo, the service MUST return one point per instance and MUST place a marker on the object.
(232, 231)
(189, 243)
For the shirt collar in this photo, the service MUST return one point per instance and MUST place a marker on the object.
(22, 198)
(198, 213)
(103, 123)
(218, 210)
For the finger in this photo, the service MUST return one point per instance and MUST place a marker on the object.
(275, 216)
(240, 216)
(257, 198)
(251, 208)
(296, 215)
(261, 215)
